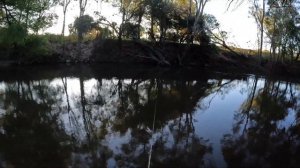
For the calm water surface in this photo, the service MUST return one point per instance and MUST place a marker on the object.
(68, 121)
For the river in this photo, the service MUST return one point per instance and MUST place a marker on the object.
(77, 117)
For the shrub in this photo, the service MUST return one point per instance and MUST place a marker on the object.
(34, 49)
(36, 46)
(14, 34)
(54, 38)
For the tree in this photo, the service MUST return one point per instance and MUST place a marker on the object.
(33, 132)
(282, 32)
(130, 30)
(158, 12)
(199, 23)
(82, 6)
(82, 25)
(123, 6)
(161, 11)
(32, 14)
(17, 18)
(139, 13)
(65, 4)
(277, 23)
(275, 19)
(258, 139)
(259, 15)
(13, 34)
(135, 12)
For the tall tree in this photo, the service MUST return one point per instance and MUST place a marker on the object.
(123, 12)
(82, 25)
(259, 13)
(199, 24)
(82, 7)
(32, 14)
(65, 4)
(262, 29)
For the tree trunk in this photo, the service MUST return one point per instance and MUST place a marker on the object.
(64, 24)
(297, 57)
(139, 26)
(82, 5)
(162, 27)
(65, 5)
(152, 38)
(122, 23)
(65, 85)
(82, 95)
(80, 36)
(262, 32)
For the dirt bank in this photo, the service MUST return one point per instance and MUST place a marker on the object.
(168, 54)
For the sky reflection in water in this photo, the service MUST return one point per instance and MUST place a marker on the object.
(81, 122)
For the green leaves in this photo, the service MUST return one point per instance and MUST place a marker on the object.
(1, 13)
(24, 46)
(36, 46)
(13, 34)
(83, 24)
(32, 14)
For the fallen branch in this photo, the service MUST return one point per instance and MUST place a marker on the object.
(153, 53)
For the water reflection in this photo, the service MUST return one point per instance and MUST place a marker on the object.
(31, 133)
(266, 128)
(79, 122)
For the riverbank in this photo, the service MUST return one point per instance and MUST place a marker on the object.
(146, 54)
(123, 71)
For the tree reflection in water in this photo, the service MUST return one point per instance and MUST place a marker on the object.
(109, 123)
(261, 135)
(174, 141)
(79, 122)
(31, 134)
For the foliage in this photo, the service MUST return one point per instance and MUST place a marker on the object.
(82, 25)
(53, 38)
(36, 46)
(29, 48)
(182, 21)
(258, 137)
(14, 34)
(130, 30)
(32, 14)
(276, 21)
(17, 19)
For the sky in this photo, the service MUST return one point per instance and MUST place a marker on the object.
(241, 27)
(237, 21)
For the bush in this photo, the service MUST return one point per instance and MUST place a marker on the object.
(35, 49)
(36, 46)
(13, 35)
(83, 24)
(54, 38)
(17, 45)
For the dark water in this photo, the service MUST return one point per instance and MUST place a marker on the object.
(76, 121)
